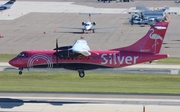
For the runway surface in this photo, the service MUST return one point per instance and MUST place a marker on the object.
(140, 68)
(89, 102)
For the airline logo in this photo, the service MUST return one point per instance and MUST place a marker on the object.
(38, 57)
(155, 36)
(117, 59)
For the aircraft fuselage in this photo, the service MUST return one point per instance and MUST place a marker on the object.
(104, 59)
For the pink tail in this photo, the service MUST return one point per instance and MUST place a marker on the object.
(151, 42)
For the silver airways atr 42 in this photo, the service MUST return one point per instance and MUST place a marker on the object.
(79, 57)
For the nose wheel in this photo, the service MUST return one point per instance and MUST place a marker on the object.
(81, 74)
(93, 31)
(20, 72)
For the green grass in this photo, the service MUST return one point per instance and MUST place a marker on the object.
(6, 57)
(170, 60)
(92, 82)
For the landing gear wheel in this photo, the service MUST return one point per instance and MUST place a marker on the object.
(20, 72)
(93, 31)
(81, 74)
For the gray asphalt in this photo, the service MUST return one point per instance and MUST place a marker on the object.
(115, 70)
(85, 102)
(27, 31)
(140, 68)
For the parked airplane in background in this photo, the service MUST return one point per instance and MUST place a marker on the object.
(143, 8)
(105, 0)
(79, 57)
(88, 25)
(177, 1)
(143, 15)
(7, 5)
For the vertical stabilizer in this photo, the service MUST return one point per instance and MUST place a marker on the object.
(151, 42)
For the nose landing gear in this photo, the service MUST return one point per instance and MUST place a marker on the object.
(20, 72)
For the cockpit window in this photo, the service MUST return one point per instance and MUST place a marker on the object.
(23, 55)
(86, 24)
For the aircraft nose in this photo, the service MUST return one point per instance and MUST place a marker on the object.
(11, 62)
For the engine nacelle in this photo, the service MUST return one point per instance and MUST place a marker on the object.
(83, 23)
(63, 48)
(94, 23)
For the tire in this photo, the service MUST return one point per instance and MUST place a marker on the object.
(81, 74)
(20, 72)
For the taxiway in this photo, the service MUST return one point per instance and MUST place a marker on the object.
(32, 25)
(89, 102)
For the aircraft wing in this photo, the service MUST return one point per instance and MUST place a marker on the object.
(138, 9)
(69, 27)
(104, 28)
(142, 8)
(81, 46)
(7, 5)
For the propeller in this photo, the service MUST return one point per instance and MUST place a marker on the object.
(65, 52)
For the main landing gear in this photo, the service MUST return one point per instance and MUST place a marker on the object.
(20, 72)
(81, 74)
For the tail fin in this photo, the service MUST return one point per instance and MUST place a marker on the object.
(10, 3)
(151, 42)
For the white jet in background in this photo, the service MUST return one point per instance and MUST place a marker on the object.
(7, 5)
(88, 25)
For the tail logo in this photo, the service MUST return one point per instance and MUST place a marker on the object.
(155, 36)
